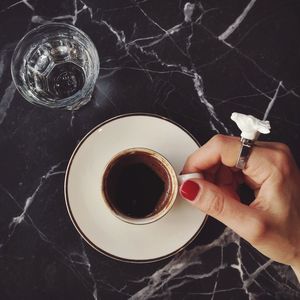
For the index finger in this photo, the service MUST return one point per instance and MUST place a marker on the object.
(222, 149)
(219, 149)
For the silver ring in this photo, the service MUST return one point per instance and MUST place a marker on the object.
(246, 146)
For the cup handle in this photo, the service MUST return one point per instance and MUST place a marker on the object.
(184, 177)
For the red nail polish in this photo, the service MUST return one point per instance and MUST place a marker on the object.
(189, 190)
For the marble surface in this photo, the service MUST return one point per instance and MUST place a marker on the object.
(195, 66)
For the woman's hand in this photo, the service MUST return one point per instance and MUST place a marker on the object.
(271, 223)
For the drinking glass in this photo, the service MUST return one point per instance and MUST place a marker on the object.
(55, 65)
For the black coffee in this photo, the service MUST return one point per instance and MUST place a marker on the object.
(136, 184)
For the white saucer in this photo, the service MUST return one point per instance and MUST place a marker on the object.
(91, 217)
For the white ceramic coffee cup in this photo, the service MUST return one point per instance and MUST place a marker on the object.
(173, 182)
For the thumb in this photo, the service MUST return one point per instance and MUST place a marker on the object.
(220, 204)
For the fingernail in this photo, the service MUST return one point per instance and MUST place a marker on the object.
(189, 190)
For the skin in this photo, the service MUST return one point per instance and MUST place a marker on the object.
(271, 223)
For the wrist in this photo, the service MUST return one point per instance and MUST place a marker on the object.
(296, 269)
